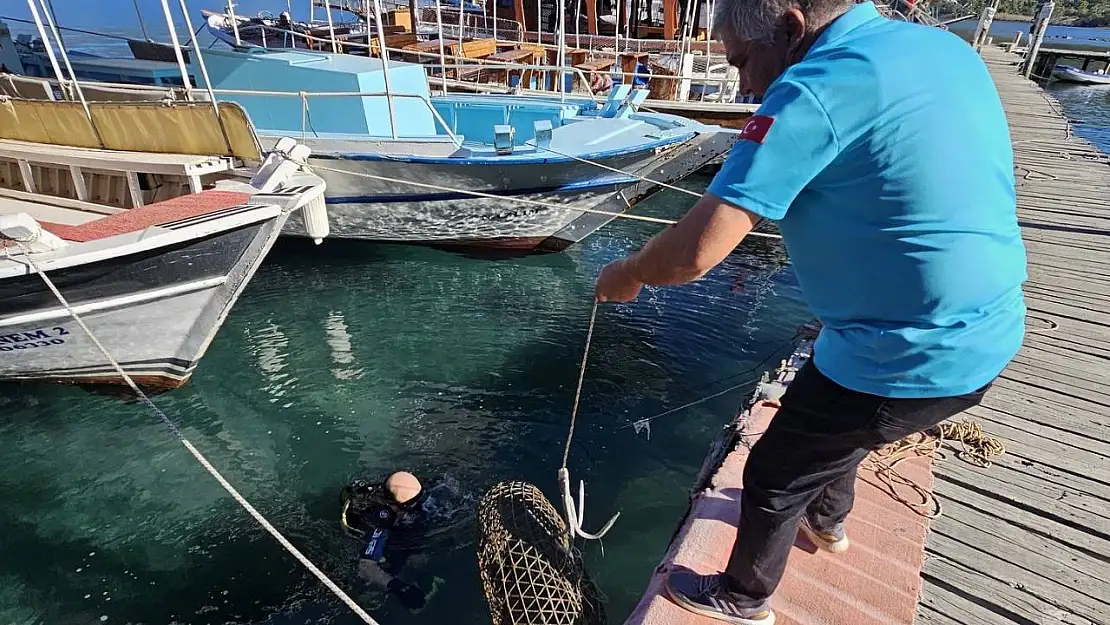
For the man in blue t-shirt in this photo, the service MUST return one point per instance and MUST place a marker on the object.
(892, 184)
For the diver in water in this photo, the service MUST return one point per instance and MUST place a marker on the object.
(376, 513)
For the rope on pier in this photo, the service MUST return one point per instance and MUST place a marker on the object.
(200, 458)
(976, 448)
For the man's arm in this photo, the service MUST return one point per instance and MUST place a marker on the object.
(682, 253)
(697, 243)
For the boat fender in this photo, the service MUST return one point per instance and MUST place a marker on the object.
(315, 216)
(22, 228)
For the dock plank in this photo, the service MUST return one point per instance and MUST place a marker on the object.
(1025, 541)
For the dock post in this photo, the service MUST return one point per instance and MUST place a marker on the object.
(1016, 42)
(1040, 25)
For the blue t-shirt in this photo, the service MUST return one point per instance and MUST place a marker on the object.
(885, 158)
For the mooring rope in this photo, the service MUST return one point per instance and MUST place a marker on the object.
(613, 169)
(976, 448)
(362, 614)
(492, 196)
(576, 515)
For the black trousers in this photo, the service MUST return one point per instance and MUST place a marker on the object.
(806, 463)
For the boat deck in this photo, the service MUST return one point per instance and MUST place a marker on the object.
(1026, 540)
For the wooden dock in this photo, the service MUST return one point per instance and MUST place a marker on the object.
(1028, 539)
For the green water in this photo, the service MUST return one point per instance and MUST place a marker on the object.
(349, 360)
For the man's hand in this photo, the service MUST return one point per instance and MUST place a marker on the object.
(615, 283)
(682, 253)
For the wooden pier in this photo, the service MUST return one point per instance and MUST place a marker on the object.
(1028, 539)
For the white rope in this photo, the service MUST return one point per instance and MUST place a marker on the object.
(576, 515)
(613, 169)
(366, 618)
(548, 205)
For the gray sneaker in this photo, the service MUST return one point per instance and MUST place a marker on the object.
(833, 541)
(706, 595)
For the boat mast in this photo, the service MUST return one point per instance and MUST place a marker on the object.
(331, 27)
(577, 21)
(459, 54)
(385, 67)
(562, 54)
(439, 38)
(142, 25)
(234, 22)
(177, 49)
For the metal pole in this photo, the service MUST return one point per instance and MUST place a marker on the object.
(331, 28)
(204, 74)
(458, 66)
(562, 54)
(46, 43)
(495, 19)
(439, 38)
(177, 50)
(577, 21)
(234, 22)
(142, 25)
(385, 68)
(709, 39)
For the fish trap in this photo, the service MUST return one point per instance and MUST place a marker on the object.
(531, 573)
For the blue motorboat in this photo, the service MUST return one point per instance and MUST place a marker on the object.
(442, 169)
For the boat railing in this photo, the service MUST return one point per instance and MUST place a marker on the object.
(583, 74)
(721, 82)
(306, 95)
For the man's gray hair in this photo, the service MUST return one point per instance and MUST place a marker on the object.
(756, 20)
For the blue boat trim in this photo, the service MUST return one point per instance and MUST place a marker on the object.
(539, 157)
(442, 197)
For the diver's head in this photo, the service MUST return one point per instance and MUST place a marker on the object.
(368, 506)
(403, 487)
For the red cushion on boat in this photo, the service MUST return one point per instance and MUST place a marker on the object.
(144, 217)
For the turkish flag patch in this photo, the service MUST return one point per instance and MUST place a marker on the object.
(757, 128)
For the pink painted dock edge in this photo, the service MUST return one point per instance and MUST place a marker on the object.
(876, 582)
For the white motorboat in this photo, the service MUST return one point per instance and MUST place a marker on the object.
(1069, 73)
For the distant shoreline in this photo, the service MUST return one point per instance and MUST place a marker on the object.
(1101, 22)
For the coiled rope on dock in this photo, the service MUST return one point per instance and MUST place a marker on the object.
(200, 458)
(976, 447)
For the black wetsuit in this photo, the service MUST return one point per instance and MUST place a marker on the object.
(389, 533)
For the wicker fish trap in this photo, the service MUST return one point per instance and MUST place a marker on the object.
(531, 573)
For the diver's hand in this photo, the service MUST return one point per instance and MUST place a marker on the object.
(373, 573)
(410, 595)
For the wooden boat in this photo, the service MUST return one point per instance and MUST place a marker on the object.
(149, 225)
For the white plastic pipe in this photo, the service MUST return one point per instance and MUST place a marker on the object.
(177, 50)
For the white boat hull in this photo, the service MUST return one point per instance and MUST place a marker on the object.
(1068, 73)
(369, 209)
